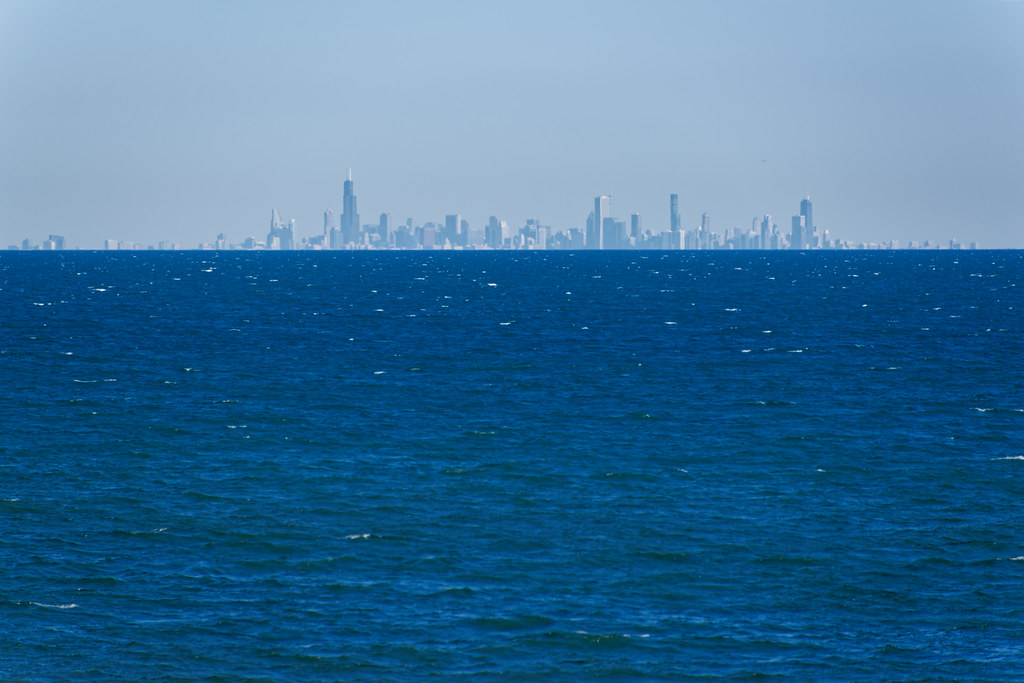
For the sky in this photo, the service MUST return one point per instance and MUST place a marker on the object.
(176, 121)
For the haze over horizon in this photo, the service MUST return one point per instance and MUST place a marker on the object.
(178, 121)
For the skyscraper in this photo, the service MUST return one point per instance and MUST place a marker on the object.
(281, 235)
(798, 237)
(452, 223)
(766, 226)
(673, 212)
(602, 210)
(613, 234)
(429, 236)
(328, 224)
(496, 233)
(349, 215)
(808, 232)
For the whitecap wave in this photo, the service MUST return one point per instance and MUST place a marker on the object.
(69, 605)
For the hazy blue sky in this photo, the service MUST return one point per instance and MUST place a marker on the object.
(174, 121)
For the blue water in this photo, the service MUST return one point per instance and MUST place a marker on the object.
(512, 466)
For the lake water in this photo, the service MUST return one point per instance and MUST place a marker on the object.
(326, 466)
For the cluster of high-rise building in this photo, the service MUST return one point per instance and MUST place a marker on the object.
(603, 231)
(52, 243)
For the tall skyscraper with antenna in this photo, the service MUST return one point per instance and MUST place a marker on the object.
(349, 215)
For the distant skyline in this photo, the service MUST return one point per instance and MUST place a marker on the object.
(159, 121)
(604, 231)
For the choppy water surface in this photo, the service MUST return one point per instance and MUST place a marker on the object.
(398, 466)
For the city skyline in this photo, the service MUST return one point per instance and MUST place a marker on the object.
(604, 231)
(159, 121)
(345, 231)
